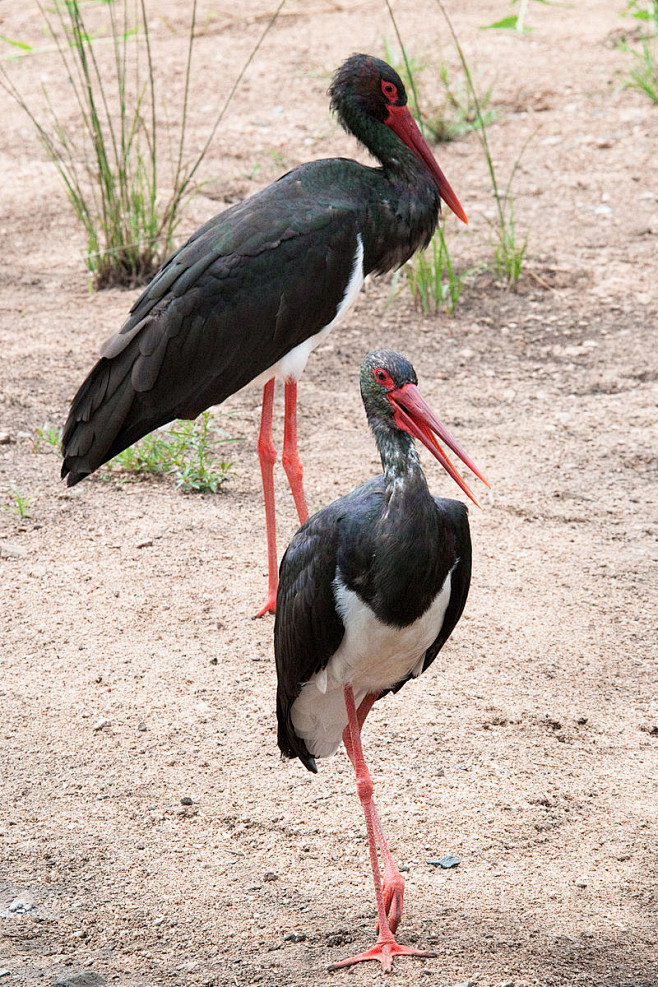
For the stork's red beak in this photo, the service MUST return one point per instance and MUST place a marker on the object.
(414, 415)
(403, 124)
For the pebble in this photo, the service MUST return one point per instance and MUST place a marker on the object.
(445, 862)
(142, 727)
(86, 979)
(10, 550)
(581, 884)
(270, 875)
(295, 937)
(101, 724)
(4, 973)
(22, 905)
(5, 439)
(144, 543)
(186, 800)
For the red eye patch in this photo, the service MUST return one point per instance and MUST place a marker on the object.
(384, 378)
(389, 90)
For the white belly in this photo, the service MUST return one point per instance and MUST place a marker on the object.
(291, 366)
(372, 656)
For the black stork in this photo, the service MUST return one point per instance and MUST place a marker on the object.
(255, 289)
(370, 589)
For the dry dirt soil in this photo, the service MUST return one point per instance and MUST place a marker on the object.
(149, 833)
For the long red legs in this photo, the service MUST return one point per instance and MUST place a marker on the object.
(393, 882)
(290, 458)
(294, 471)
(386, 946)
(267, 456)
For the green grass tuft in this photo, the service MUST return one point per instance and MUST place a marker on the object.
(109, 158)
(183, 450)
(432, 279)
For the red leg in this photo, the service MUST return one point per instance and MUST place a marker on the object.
(290, 459)
(267, 456)
(386, 946)
(393, 882)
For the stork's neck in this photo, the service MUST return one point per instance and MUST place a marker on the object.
(400, 462)
(405, 213)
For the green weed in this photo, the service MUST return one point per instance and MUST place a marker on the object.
(48, 436)
(508, 251)
(643, 74)
(184, 450)
(109, 159)
(433, 281)
(516, 22)
(21, 504)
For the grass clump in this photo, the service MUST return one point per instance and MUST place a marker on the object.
(20, 504)
(644, 72)
(431, 277)
(184, 450)
(109, 157)
(509, 250)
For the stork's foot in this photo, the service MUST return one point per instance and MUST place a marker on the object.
(384, 950)
(270, 606)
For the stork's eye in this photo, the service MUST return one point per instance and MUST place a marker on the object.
(389, 90)
(384, 378)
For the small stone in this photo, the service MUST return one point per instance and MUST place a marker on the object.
(4, 973)
(22, 905)
(5, 439)
(144, 543)
(142, 727)
(101, 725)
(140, 846)
(581, 721)
(186, 800)
(10, 550)
(580, 884)
(86, 979)
(295, 937)
(38, 571)
(445, 862)
(270, 875)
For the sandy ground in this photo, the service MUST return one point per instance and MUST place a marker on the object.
(131, 675)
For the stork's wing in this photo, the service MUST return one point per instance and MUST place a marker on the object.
(248, 287)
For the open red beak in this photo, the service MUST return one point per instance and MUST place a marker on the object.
(403, 124)
(414, 415)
